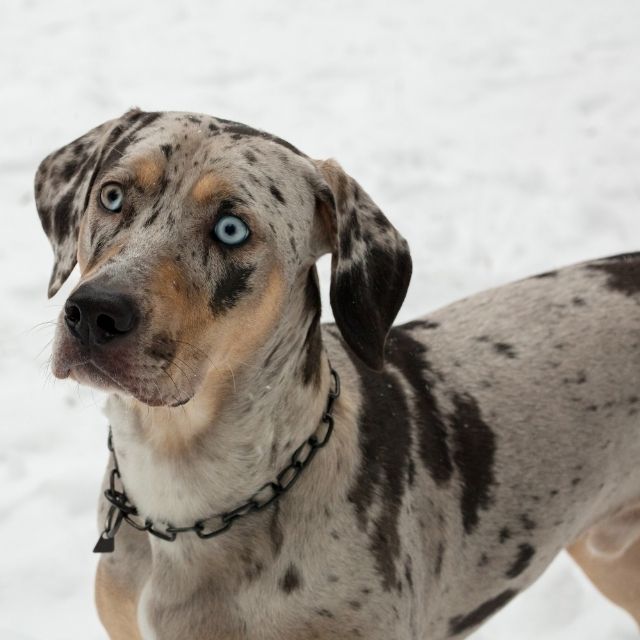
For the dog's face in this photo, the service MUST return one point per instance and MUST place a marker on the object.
(195, 238)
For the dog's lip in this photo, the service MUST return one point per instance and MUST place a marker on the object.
(95, 374)
(88, 368)
(90, 371)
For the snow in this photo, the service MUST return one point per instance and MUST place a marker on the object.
(501, 137)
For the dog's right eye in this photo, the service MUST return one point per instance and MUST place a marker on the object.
(112, 197)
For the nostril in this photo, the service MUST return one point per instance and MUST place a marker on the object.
(107, 324)
(72, 314)
(113, 325)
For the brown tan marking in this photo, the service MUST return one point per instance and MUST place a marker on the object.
(117, 607)
(148, 171)
(232, 341)
(208, 186)
(616, 578)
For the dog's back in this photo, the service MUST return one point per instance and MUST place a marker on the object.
(512, 420)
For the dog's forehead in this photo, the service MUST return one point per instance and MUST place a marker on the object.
(186, 147)
(203, 139)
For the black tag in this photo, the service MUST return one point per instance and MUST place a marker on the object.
(104, 545)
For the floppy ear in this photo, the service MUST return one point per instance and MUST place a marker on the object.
(370, 267)
(63, 183)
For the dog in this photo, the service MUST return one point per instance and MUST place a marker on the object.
(453, 456)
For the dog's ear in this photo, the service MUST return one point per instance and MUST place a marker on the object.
(370, 267)
(64, 180)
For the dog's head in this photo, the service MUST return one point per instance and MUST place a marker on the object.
(194, 236)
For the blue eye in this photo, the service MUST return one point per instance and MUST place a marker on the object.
(112, 197)
(231, 230)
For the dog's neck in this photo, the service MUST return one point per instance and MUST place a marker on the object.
(183, 464)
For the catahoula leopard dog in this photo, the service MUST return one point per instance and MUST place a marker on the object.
(464, 451)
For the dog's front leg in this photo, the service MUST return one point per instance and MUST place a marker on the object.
(117, 604)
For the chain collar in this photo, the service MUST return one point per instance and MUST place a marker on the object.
(122, 509)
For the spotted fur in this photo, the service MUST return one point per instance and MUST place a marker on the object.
(469, 447)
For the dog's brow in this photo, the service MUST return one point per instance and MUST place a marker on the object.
(209, 185)
(148, 171)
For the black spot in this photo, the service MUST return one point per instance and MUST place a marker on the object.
(522, 561)
(505, 534)
(407, 572)
(124, 137)
(98, 248)
(325, 613)
(167, 150)
(623, 272)
(233, 284)
(527, 523)
(243, 129)
(385, 445)
(194, 119)
(474, 458)
(276, 193)
(69, 169)
(63, 217)
(419, 324)
(227, 206)
(152, 218)
(505, 349)
(291, 580)
(460, 624)
(409, 356)
(578, 301)
(311, 367)
(437, 570)
(250, 156)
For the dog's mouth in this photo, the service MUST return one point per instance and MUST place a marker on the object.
(117, 375)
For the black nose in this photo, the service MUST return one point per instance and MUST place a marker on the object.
(96, 315)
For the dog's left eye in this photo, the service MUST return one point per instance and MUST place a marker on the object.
(231, 230)
(112, 197)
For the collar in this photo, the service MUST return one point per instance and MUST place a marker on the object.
(122, 509)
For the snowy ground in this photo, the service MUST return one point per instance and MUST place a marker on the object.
(501, 137)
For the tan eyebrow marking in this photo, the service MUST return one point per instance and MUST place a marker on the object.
(209, 185)
(148, 171)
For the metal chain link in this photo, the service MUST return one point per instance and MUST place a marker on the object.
(122, 509)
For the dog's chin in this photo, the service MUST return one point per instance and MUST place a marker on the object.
(92, 375)
(114, 374)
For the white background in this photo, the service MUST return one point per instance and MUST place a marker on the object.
(501, 137)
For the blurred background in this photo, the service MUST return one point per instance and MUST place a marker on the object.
(502, 138)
